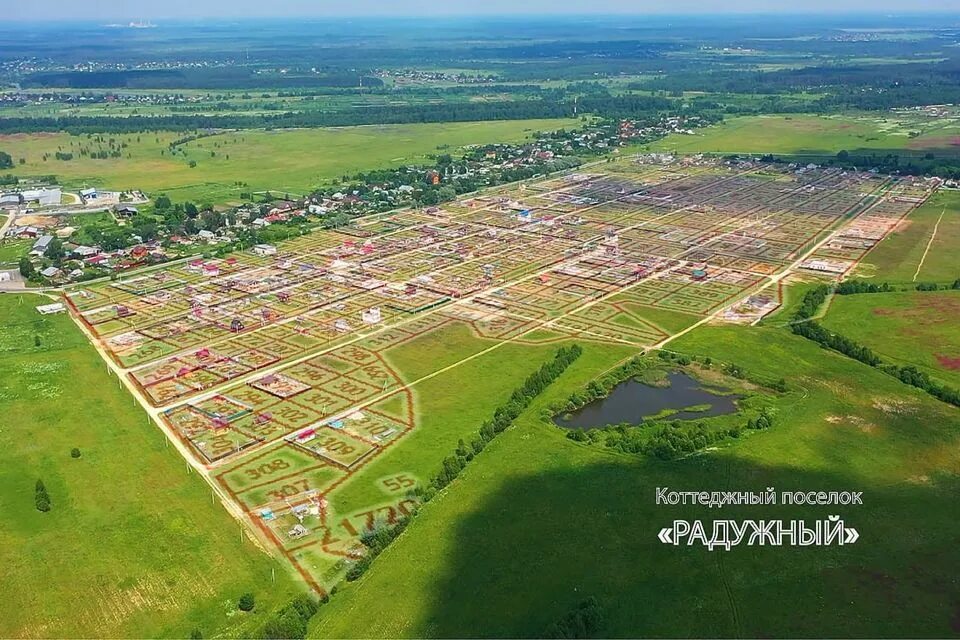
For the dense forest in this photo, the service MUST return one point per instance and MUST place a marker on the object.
(603, 105)
(231, 77)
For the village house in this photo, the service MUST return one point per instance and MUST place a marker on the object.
(85, 252)
(41, 245)
(265, 250)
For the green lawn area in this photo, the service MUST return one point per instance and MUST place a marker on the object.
(285, 160)
(906, 328)
(133, 546)
(804, 134)
(793, 293)
(537, 523)
(451, 405)
(898, 256)
(12, 249)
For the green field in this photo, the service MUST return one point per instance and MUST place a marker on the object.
(538, 523)
(898, 256)
(294, 161)
(453, 405)
(813, 135)
(133, 545)
(12, 249)
(906, 328)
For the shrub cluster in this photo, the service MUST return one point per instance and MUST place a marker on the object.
(668, 442)
(582, 622)
(246, 602)
(671, 440)
(600, 387)
(933, 286)
(849, 287)
(41, 497)
(290, 622)
(375, 541)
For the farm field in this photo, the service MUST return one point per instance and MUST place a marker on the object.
(923, 248)
(130, 529)
(559, 521)
(317, 382)
(817, 135)
(416, 320)
(916, 328)
(293, 161)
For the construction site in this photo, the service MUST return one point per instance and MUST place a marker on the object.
(271, 369)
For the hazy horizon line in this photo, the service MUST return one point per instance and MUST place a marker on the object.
(562, 15)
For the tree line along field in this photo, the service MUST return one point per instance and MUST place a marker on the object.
(133, 545)
(916, 328)
(282, 160)
(257, 103)
(909, 327)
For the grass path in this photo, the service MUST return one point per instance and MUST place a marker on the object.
(929, 243)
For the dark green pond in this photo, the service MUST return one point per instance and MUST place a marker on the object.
(631, 401)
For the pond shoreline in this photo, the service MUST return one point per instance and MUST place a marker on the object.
(633, 402)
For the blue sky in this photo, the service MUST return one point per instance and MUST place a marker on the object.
(159, 9)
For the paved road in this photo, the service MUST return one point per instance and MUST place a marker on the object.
(11, 216)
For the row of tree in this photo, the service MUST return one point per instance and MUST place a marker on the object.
(669, 441)
(849, 287)
(804, 325)
(560, 105)
(291, 621)
(41, 497)
(376, 542)
(502, 418)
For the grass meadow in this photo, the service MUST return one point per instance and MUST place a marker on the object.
(930, 234)
(293, 161)
(811, 135)
(537, 522)
(133, 545)
(916, 328)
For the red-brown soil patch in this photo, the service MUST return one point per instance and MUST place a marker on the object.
(948, 362)
(935, 142)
